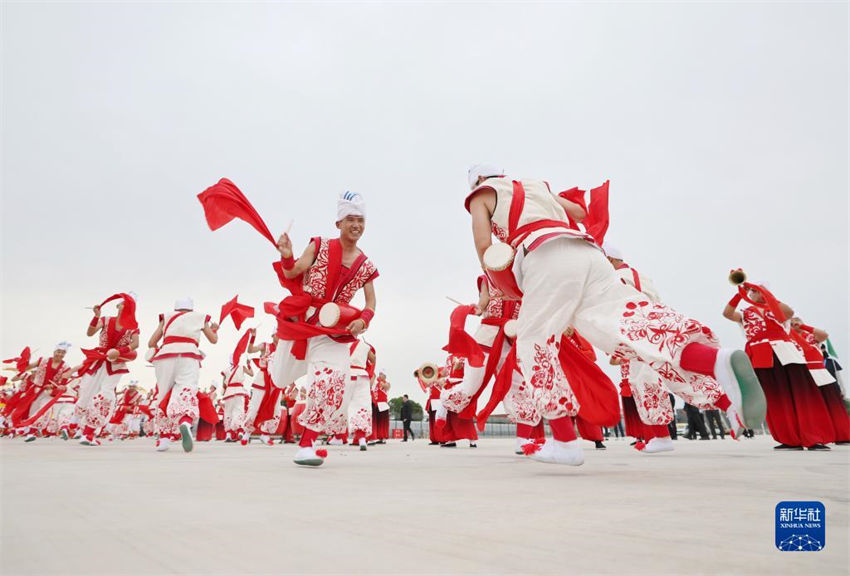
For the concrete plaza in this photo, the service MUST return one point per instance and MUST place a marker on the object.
(410, 508)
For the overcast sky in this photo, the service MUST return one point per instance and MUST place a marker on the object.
(723, 128)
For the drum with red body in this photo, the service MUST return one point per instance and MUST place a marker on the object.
(334, 315)
(498, 266)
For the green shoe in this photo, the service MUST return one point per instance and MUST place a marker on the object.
(186, 437)
(753, 403)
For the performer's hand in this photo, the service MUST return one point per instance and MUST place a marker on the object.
(214, 327)
(569, 331)
(356, 327)
(96, 310)
(478, 310)
(112, 355)
(284, 245)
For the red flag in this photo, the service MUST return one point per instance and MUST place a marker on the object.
(223, 202)
(239, 312)
(127, 317)
(22, 360)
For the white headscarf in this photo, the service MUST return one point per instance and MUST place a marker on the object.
(476, 171)
(184, 304)
(350, 204)
(64, 346)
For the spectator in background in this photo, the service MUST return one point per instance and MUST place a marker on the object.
(696, 424)
(406, 417)
(713, 419)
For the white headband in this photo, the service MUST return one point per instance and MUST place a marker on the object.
(350, 204)
(64, 346)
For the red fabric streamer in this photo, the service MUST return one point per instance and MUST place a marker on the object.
(461, 344)
(127, 317)
(770, 301)
(576, 196)
(238, 312)
(22, 360)
(598, 218)
(223, 202)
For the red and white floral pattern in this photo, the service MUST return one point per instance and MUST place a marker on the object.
(499, 232)
(361, 421)
(316, 278)
(364, 274)
(324, 399)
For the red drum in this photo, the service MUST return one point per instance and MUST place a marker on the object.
(333, 315)
(498, 266)
(510, 328)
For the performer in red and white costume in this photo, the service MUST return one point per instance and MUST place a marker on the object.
(105, 365)
(357, 400)
(809, 339)
(380, 410)
(264, 409)
(177, 362)
(127, 416)
(330, 270)
(32, 412)
(452, 426)
(796, 413)
(235, 400)
(567, 281)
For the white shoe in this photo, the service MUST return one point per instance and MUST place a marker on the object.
(658, 445)
(186, 437)
(78, 435)
(737, 426)
(362, 444)
(64, 434)
(163, 444)
(735, 374)
(335, 442)
(555, 452)
(29, 438)
(266, 439)
(306, 456)
(520, 442)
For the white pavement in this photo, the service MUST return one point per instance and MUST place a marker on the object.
(707, 508)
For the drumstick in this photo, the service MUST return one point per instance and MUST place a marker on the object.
(288, 228)
(450, 299)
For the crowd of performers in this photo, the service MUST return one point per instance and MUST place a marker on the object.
(552, 293)
(553, 290)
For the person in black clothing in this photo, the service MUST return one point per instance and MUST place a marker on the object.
(696, 424)
(674, 432)
(406, 417)
(713, 418)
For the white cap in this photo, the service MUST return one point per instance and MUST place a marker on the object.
(64, 346)
(184, 304)
(134, 296)
(612, 251)
(350, 204)
(476, 171)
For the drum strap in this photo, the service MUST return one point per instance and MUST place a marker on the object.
(517, 205)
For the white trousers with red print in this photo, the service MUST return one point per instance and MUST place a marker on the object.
(568, 282)
(234, 413)
(60, 416)
(178, 375)
(457, 398)
(97, 398)
(355, 412)
(327, 365)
